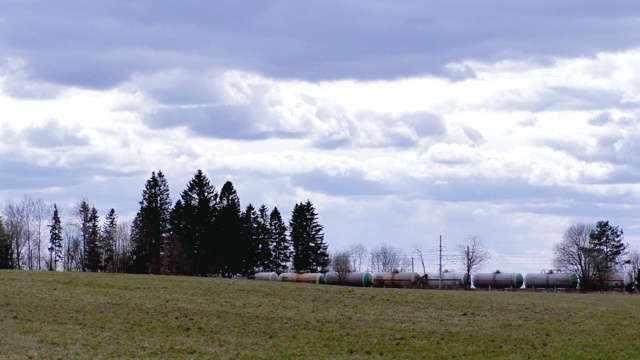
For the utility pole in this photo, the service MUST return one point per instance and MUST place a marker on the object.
(440, 276)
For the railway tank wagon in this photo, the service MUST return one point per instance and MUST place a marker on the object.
(551, 280)
(396, 279)
(309, 278)
(450, 280)
(619, 280)
(266, 276)
(362, 279)
(498, 280)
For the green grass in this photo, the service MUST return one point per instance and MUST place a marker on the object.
(73, 315)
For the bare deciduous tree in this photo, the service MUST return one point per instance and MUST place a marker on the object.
(574, 254)
(122, 252)
(341, 263)
(472, 255)
(633, 258)
(40, 214)
(358, 254)
(388, 258)
(15, 226)
(419, 251)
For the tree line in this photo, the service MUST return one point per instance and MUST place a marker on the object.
(204, 233)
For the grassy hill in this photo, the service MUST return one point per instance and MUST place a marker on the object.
(73, 315)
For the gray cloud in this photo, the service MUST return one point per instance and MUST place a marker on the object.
(601, 119)
(53, 134)
(350, 184)
(474, 136)
(102, 44)
(224, 122)
(425, 124)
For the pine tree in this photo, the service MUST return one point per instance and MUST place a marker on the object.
(150, 228)
(109, 230)
(229, 229)
(309, 249)
(279, 242)
(192, 222)
(55, 239)
(83, 213)
(93, 250)
(262, 239)
(607, 250)
(249, 234)
(6, 249)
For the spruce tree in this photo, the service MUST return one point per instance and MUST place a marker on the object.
(109, 230)
(279, 242)
(192, 222)
(232, 246)
(250, 238)
(264, 256)
(83, 212)
(55, 239)
(607, 250)
(307, 237)
(93, 250)
(150, 228)
(6, 250)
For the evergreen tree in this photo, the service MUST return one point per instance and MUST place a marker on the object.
(83, 212)
(607, 250)
(279, 242)
(93, 250)
(309, 249)
(229, 229)
(6, 249)
(109, 231)
(150, 228)
(55, 239)
(249, 234)
(192, 222)
(262, 240)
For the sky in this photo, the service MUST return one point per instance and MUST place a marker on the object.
(401, 121)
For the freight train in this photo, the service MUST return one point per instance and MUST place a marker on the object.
(545, 280)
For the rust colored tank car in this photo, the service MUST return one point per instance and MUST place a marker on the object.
(620, 280)
(268, 276)
(396, 279)
(498, 280)
(352, 279)
(310, 278)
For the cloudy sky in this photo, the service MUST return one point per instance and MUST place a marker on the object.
(400, 121)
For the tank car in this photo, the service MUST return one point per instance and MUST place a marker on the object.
(396, 279)
(352, 279)
(268, 276)
(450, 280)
(498, 280)
(310, 278)
(619, 280)
(551, 280)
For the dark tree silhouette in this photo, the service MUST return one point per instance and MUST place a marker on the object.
(232, 247)
(55, 239)
(279, 242)
(607, 249)
(6, 252)
(108, 241)
(150, 228)
(193, 227)
(309, 249)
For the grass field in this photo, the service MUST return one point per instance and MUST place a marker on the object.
(75, 315)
